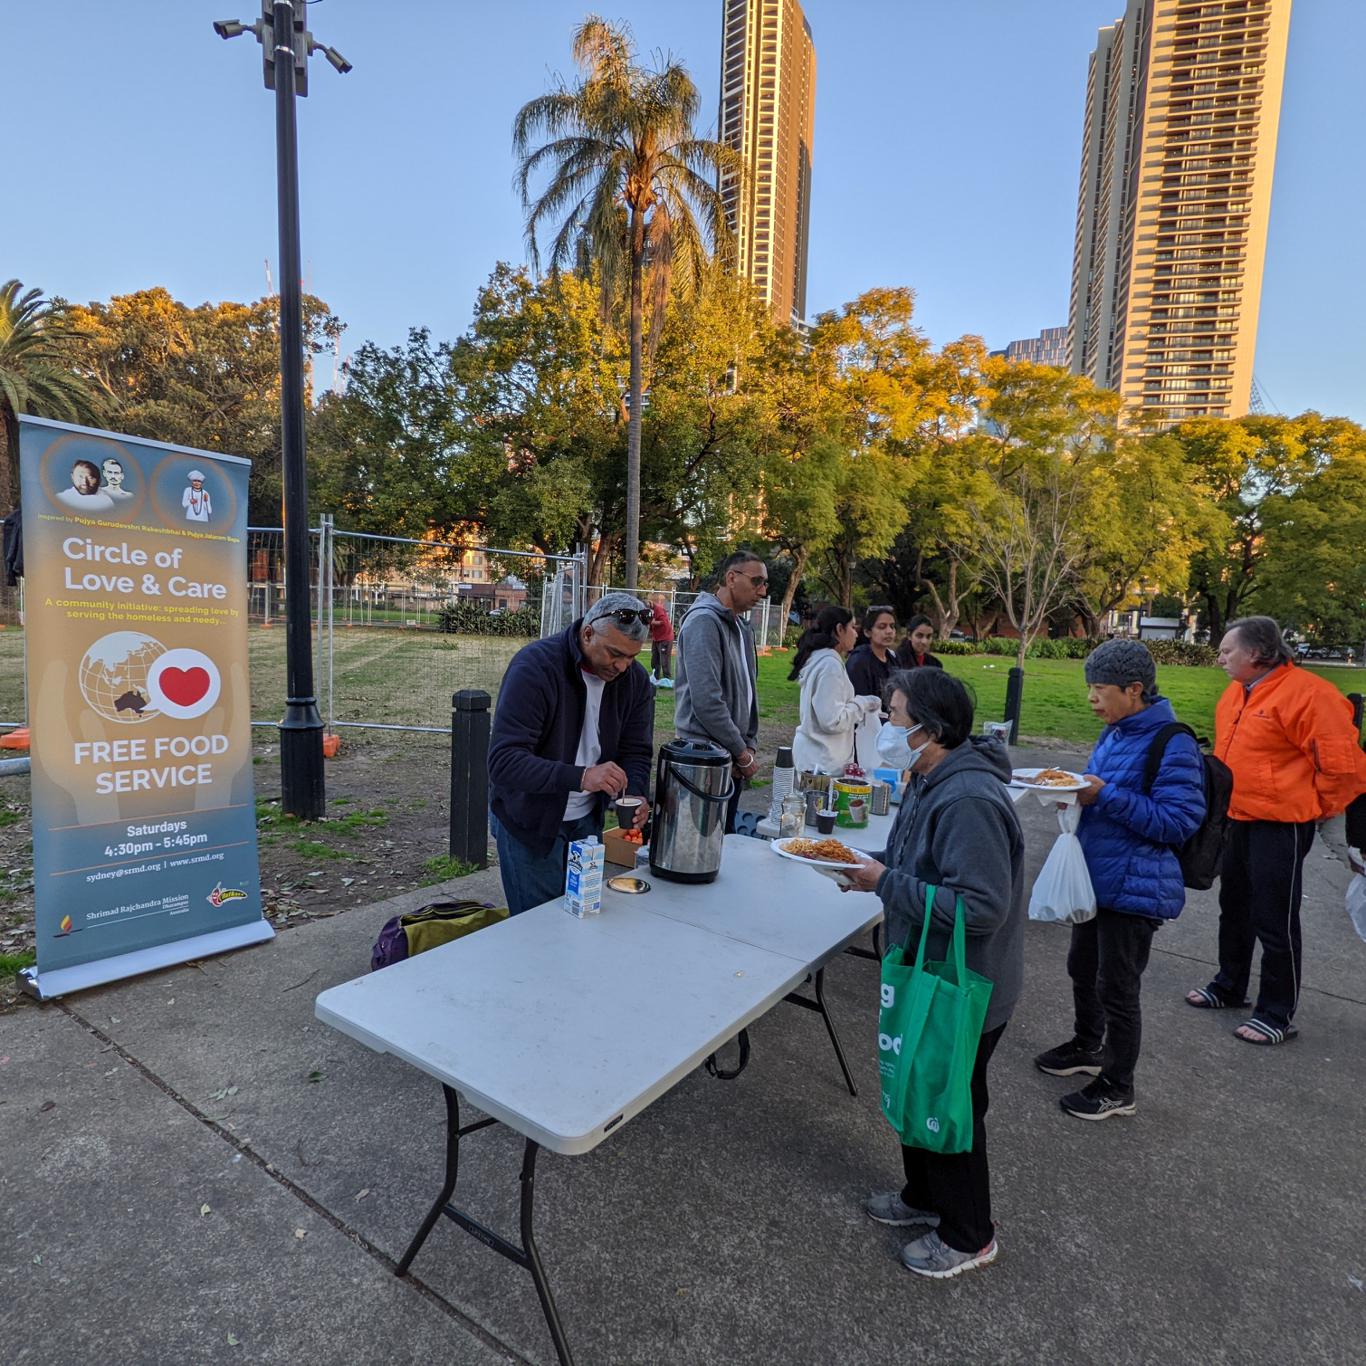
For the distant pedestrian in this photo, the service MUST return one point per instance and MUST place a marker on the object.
(574, 728)
(1129, 834)
(718, 668)
(1289, 738)
(914, 651)
(661, 643)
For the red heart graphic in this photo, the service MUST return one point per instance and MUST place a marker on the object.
(184, 687)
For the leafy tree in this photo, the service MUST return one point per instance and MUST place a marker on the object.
(895, 403)
(1040, 441)
(389, 455)
(542, 380)
(207, 376)
(36, 375)
(1148, 521)
(1235, 467)
(1313, 577)
(628, 180)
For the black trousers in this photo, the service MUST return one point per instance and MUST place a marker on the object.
(1106, 962)
(1260, 888)
(957, 1186)
(661, 658)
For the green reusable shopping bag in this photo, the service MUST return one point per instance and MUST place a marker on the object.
(928, 1030)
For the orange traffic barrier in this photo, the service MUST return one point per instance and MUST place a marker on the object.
(331, 744)
(16, 739)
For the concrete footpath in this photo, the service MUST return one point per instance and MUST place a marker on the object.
(193, 1169)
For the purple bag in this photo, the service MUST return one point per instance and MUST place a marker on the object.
(435, 924)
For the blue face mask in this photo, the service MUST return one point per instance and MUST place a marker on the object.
(893, 745)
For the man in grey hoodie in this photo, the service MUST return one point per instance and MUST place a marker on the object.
(716, 691)
(956, 831)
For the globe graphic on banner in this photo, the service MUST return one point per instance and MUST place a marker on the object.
(114, 676)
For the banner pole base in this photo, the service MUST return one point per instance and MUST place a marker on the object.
(46, 986)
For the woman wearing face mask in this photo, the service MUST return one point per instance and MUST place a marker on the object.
(956, 831)
(830, 709)
(914, 652)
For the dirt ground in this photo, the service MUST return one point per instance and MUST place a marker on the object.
(386, 831)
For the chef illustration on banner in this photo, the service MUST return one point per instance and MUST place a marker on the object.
(144, 831)
(195, 500)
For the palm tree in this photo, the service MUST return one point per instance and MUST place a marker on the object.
(630, 182)
(35, 375)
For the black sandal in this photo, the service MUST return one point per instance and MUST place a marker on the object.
(1268, 1035)
(1209, 1000)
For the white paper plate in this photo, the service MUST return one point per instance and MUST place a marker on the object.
(826, 867)
(1022, 776)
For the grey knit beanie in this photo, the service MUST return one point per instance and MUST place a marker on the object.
(1122, 662)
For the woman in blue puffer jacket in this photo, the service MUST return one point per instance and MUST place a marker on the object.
(1130, 837)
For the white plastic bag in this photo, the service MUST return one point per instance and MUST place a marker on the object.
(1356, 893)
(1062, 892)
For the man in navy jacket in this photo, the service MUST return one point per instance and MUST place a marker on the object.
(1130, 836)
(574, 729)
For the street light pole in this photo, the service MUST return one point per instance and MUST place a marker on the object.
(287, 45)
(302, 788)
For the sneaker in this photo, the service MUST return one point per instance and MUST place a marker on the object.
(666, 682)
(932, 1256)
(887, 1207)
(1069, 1059)
(1100, 1100)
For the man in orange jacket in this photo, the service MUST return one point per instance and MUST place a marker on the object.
(1296, 759)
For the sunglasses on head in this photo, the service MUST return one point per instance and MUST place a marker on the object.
(626, 615)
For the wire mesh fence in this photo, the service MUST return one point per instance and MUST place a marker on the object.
(765, 618)
(398, 624)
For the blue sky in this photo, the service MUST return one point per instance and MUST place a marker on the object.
(947, 140)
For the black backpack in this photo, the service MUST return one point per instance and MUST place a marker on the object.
(1202, 854)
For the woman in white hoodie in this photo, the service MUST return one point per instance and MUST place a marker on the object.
(830, 710)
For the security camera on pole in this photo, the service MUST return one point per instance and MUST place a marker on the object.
(286, 45)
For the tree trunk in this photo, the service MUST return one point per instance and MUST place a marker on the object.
(793, 583)
(847, 580)
(1021, 650)
(633, 427)
(9, 463)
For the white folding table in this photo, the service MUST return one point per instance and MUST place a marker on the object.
(564, 1029)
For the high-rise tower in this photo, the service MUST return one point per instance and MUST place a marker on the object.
(768, 109)
(1183, 100)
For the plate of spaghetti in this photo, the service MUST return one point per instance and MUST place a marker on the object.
(1051, 779)
(821, 853)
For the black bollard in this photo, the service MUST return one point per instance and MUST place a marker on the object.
(470, 776)
(1014, 695)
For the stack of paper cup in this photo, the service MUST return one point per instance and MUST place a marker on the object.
(783, 776)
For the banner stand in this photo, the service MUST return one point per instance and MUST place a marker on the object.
(47, 986)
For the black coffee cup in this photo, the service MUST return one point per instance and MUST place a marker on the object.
(626, 809)
(825, 822)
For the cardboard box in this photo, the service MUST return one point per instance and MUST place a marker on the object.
(620, 851)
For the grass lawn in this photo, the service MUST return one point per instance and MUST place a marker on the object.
(408, 677)
(1054, 693)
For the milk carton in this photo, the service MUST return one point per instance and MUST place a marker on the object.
(583, 877)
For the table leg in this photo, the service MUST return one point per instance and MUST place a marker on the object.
(724, 1074)
(875, 953)
(533, 1258)
(448, 1189)
(819, 1005)
(527, 1255)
